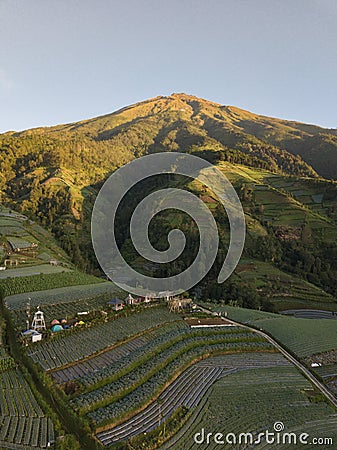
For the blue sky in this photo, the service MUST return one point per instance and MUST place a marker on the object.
(67, 60)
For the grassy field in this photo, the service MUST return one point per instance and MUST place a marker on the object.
(253, 400)
(304, 337)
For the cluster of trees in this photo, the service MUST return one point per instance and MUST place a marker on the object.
(315, 263)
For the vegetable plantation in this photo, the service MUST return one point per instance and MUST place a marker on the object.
(80, 345)
(18, 285)
(304, 337)
(252, 401)
(22, 421)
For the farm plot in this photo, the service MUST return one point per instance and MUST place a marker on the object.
(158, 355)
(187, 390)
(304, 337)
(32, 271)
(62, 302)
(112, 361)
(33, 282)
(18, 244)
(135, 389)
(327, 372)
(251, 401)
(80, 345)
(289, 292)
(22, 421)
(60, 295)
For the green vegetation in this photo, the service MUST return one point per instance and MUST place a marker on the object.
(23, 423)
(24, 243)
(142, 392)
(22, 420)
(76, 346)
(53, 175)
(155, 438)
(18, 285)
(253, 400)
(63, 302)
(304, 337)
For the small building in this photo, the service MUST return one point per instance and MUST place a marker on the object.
(36, 337)
(32, 335)
(116, 304)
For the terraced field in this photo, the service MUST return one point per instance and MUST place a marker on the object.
(290, 291)
(188, 390)
(252, 401)
(17, 231)
(77, 346)
(113, 378)
(109, 362)
(304, 337)
(152, 373)
(39, 282)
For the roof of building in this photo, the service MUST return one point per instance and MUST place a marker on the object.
(115, 301)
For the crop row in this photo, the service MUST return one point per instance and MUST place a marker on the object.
(154, 364)
(22, 421)
(163, 344)
(187, 390)
(16, 397)
(111, 361)
(26, 432)
(18, 285)
(246, 401)
(77, 346)
(61, 295)
(144, 392)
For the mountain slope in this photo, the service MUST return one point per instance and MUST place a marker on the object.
(178, 122)
(53, 174)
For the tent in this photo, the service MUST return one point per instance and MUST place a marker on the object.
(55, 322)
(56, 328)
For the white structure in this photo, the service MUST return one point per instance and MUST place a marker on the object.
(130, 300)
(38, 323)
(36, 337)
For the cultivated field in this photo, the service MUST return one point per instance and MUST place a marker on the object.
(23, 424)
(188, 390)
(252, 400)
(304, 337)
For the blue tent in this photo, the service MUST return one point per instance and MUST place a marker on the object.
(56, 328)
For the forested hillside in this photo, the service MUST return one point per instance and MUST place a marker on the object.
(278, 167)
